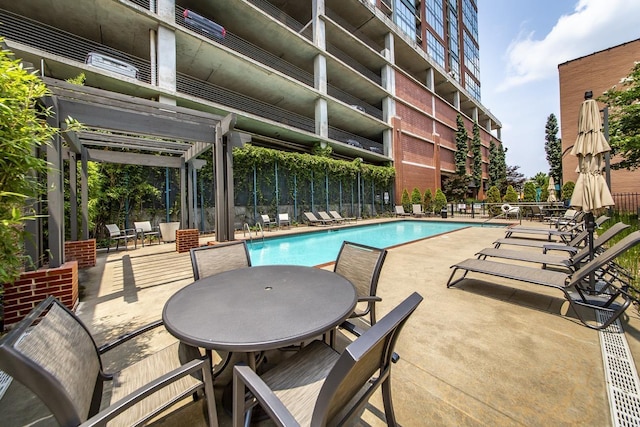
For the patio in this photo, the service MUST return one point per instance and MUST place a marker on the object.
(495, 352)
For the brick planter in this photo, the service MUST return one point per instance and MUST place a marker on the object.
(83, 251)
(34, 286)
(187, 239)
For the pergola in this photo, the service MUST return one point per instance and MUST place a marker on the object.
(169, 136)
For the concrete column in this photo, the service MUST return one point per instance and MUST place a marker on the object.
(488, 125)
(319, 31)
(322, 119)
(429, 81)
(456, 100)
(166, 57)
(389, 48)
(166, 9)
(474, 114)
(320, 73)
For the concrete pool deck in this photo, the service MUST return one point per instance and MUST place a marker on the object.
(486, 352)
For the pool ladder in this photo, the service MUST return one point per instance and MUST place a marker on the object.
(246, 229)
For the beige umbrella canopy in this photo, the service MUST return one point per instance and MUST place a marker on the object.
(591, 192)
(552, 190)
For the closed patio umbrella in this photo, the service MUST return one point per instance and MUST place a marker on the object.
(591, 193)
(551, 188)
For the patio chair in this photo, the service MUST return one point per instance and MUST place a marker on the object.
(339, 217)
(115, 233)
(312, 220)
(283, 220)
(417, 210)
(52, 353)
(362, 265)
(576, 241)
(144, 229)
(400, 211)
(573, 260)
(574, 285)
(319, 386)
(326, 218)
(267, 222)
(209, 260)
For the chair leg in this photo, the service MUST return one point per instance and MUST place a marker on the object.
(388, 404)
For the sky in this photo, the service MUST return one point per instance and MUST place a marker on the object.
(522, 42)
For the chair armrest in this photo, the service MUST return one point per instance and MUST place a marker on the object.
(350, 327)
(121, 405)
(128, 336)
(369, 298)
(244, 376)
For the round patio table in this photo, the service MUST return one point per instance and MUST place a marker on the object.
(259, 308)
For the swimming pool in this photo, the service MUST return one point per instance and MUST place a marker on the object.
(322, 246)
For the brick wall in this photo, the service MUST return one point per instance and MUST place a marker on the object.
(34, 286)
(83, 251)
(186, 239)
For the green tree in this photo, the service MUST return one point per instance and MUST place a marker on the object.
(497, 165)
(416, 197)
(455, 187)
(511, 196)
(529, 192)
(624, 119)
(494, 200)
(427, 201)
(553, 148)
(440, 201)
(514, 178)
(462, 148)
(567, 190)
(406, 201)
(476, 151)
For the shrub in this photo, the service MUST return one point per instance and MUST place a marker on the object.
(529, 192)
(440, 201)
(427, 201)
(511, 195)
(405, 201)
(567, 190)
(494, 199)
(416, 197)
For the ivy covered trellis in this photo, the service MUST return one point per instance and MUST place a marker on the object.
(270, 181)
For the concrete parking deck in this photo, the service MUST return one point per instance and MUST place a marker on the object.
(486, 352)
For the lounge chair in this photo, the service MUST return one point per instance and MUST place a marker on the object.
(319, 386)
(115, 233)
(144, 229)
(52, 353)
(417, 210)
(576, 241)
(572, 261)
(339, 217)
(564, 233)
(400, 211)
(267, 222)
(326, 218)
(283, 220)
(574, 285)
(312, 220)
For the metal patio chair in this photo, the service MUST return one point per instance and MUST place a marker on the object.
(117, 234)
(144, 229)
(283, 220)
(267, 222)
(319, 386)
(209, 260)
(52, 353)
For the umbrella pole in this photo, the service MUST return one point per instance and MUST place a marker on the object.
(590, 224)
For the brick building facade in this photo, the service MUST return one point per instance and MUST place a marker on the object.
(597, 72)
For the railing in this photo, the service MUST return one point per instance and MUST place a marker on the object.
(246, 229)
(626, 202)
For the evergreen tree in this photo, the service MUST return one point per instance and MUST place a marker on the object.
(440, 201)
(476, 150)
(494, 200)
(514, 178)
(462, 148)
(529, 192)
(427, 201)
(497, 165)
(553, 148)
(624, 119)
(511, 196)
(416, 197)
(405, 201)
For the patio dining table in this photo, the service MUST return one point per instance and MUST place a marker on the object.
(254, 309)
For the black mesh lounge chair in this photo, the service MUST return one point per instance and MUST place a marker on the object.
(575, 242)
(313, 220)
(400, 211)
(209, 260)
(572, 261)
(144, 230)
(59, 361)
(339, 217)
(574, 285)
(565, 235)
(319, 386)
(568, 227)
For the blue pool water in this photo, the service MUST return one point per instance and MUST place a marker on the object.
(322, 246)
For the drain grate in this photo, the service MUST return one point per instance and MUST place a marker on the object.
(623, 385)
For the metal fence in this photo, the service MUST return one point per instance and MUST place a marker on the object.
(626, 202)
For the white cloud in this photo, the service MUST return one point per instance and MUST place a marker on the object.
(594, 25)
